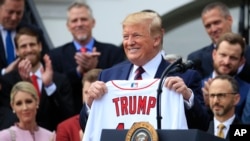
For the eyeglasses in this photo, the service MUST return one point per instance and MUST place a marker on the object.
(219, 95)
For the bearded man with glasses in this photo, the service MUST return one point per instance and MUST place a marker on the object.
(223, 94)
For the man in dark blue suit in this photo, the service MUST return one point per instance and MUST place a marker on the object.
(217, 21)
(223, 97)
(142, 38)
(84, 53)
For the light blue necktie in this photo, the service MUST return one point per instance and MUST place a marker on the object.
(10, 48)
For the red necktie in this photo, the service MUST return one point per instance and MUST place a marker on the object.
(139, 71)
(83, 49)
(35, 83)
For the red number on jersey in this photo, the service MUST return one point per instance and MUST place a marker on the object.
(120, 126)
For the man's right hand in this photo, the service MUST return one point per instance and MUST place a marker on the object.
(86, 61)
(24, 69)
(12, 66)
(96, 90)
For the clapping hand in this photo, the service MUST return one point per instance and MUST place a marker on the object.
(86, 60)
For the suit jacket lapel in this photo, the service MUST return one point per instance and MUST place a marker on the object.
(161, 68)
(125, 71)
(235, 121)
(70, 52)
(211, 128)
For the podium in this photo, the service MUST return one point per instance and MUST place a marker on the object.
(164, 135)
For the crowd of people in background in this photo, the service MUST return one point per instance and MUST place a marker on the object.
(55, 94)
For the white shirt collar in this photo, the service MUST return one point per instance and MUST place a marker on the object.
(149, 67)
(38, 72)
(226, 123)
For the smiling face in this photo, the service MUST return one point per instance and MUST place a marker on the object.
(80, 23)
(227, 58)
(24, 101)
(11, 13)
(138, 44)
(141, 37)
(25, 107)
(28, 47)
(216, 24)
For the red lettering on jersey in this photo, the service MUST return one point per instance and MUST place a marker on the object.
(151, 104)
(116, 100)
(142, 105)
(120, 126)
(134, 105)
(124, 105)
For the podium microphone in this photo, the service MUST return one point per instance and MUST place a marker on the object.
(177, 66)
(159, 91)
(182, 67)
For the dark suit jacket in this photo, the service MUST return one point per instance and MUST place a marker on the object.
(7, 117)
(52, 109)
(211, 127)
(63, 61)
(244, 90)
(206, 62)
(197, 117)
(3, 60)
(84, 117)
(245, 118)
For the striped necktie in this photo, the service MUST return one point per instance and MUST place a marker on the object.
(139, 71)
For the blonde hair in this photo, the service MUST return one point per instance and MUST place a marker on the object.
(23, 86)
(152, 19)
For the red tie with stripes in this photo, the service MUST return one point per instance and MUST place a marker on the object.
(139, 71)
(35, 83)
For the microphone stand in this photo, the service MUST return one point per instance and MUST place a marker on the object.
(159, 90)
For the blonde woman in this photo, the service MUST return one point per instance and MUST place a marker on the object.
(24, 101)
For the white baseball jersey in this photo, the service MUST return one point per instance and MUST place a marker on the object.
(133, 101)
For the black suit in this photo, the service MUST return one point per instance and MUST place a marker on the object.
(211, 127)
(205, 56)
(63, 61)
(52, 109)
(206, 62)
(3, 60)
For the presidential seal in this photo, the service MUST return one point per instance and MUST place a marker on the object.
(142, 131)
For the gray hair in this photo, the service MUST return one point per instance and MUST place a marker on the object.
(219, 5)
(80, 5)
